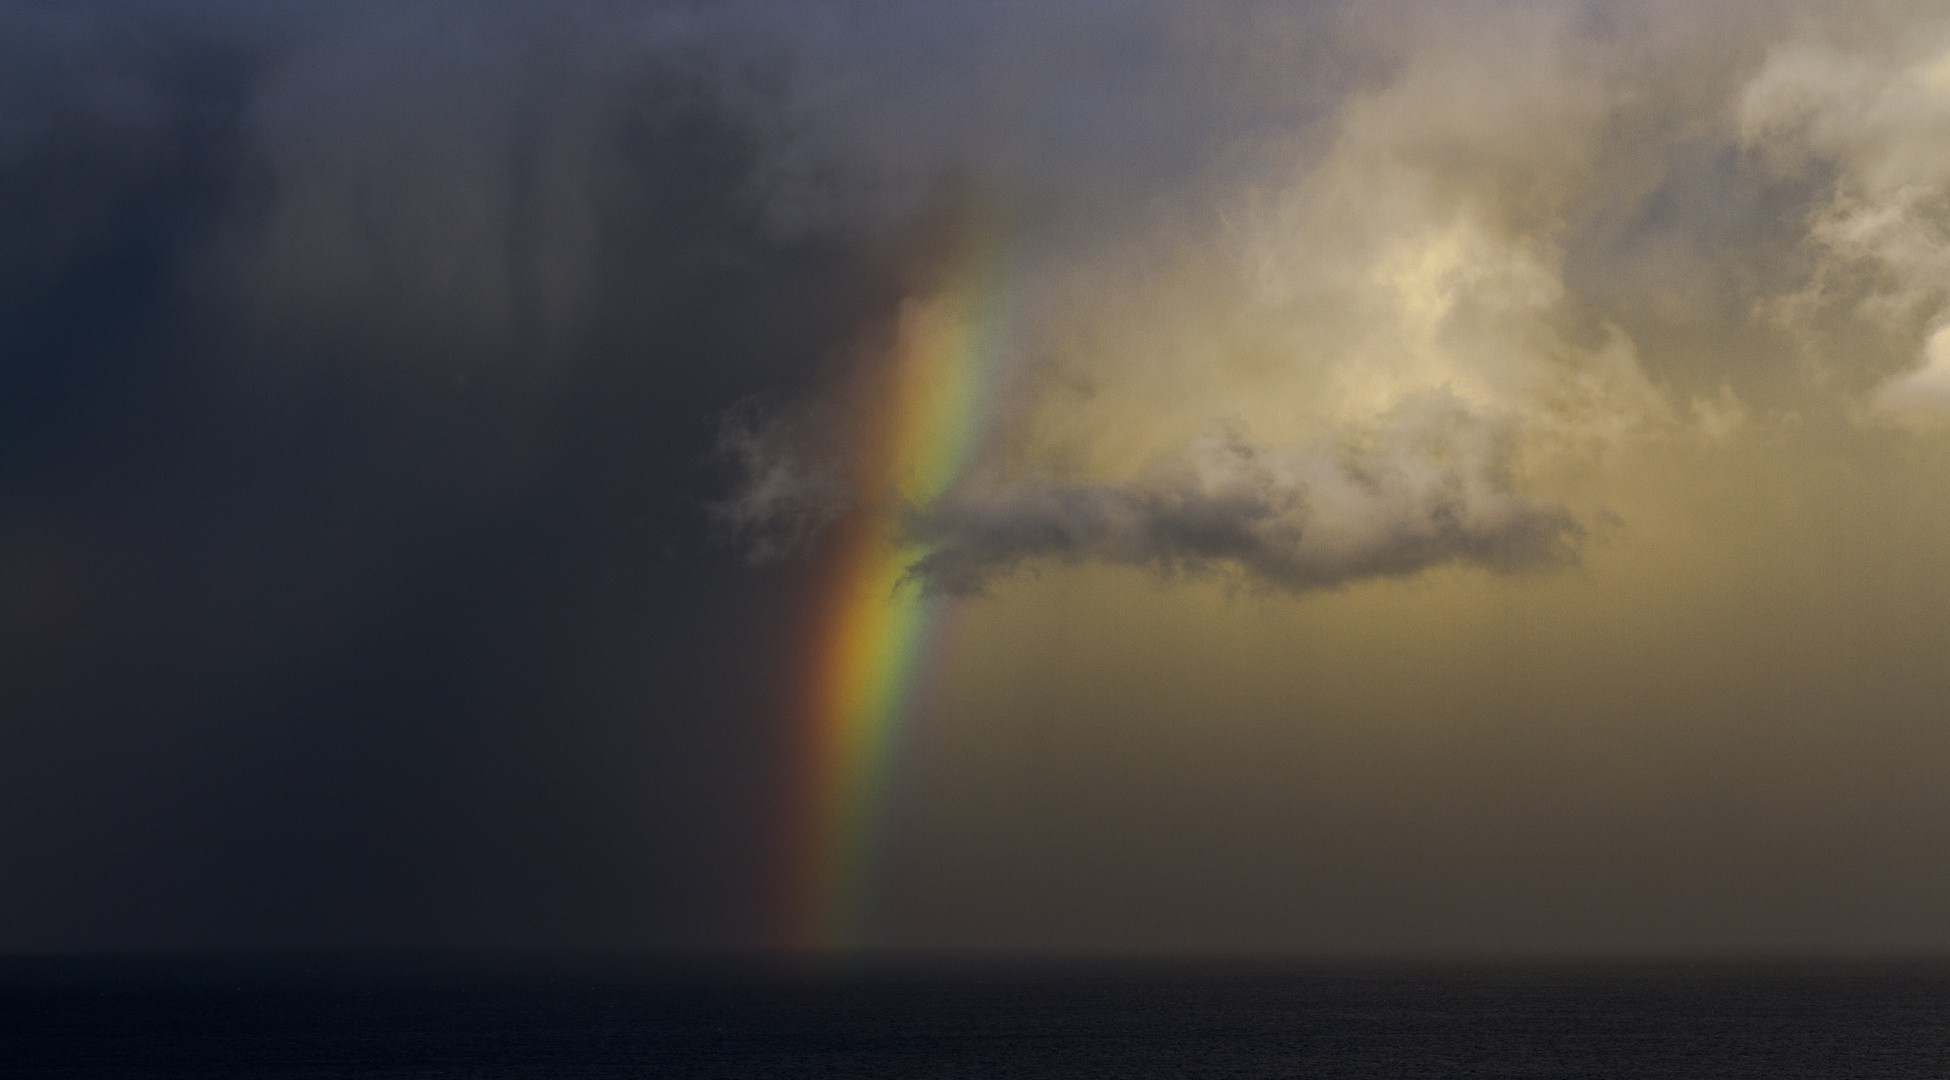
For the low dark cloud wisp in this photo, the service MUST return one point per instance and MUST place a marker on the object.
(1428, 484)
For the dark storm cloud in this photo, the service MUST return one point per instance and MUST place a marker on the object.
(1429, 484)
(358, 375)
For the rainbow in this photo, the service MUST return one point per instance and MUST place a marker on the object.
(876, 635)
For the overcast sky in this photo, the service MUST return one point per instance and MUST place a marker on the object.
(1464, 477)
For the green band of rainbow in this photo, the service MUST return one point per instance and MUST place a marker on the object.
(876, 634)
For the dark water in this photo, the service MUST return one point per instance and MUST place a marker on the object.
(286, 1017)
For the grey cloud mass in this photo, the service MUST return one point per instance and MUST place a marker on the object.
(1428, 484)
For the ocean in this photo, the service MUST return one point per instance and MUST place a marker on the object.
(347, 1017)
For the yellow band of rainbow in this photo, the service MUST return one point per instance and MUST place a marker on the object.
(875, 632)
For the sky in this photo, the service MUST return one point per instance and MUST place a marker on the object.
(1397, 478)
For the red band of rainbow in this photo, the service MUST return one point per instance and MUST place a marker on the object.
(876, 633)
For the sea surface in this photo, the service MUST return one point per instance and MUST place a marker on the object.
(457, 1017)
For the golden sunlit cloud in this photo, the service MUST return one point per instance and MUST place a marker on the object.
(1647, 304)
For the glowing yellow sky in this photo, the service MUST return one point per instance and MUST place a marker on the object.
(1702, 268)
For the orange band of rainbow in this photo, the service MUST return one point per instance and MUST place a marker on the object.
(875, 632)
